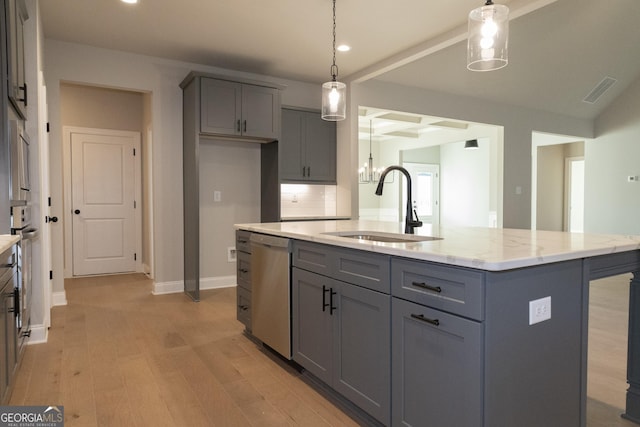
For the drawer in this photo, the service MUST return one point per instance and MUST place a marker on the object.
(243, 241)
(243, 313)
(455, 290)
(243, 270)
(362, 268)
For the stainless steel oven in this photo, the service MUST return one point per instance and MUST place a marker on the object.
(20, 181)
(21, 226)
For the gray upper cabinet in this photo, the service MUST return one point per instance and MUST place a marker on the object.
(307, 147)
(239, 110)
(17, 85)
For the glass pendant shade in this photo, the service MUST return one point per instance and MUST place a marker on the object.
(487, 43)
(334, 101)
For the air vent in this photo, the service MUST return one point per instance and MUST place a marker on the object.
(599, 90)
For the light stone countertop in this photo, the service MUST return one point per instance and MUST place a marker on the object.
(7, 240)
(492, 249)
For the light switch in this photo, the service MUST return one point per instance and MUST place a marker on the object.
(217, 196)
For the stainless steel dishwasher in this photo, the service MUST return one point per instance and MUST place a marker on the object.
(270, 291)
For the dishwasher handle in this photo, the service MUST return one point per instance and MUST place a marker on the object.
(272, 241)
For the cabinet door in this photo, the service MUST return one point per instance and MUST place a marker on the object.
(290, 145)
(312, 322)
(260, 112)
(362, 336)
(320, 149)
(437, 368)
(220, 107)
(17, 87)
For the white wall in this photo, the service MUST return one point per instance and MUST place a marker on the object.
(66, 62)
(465, 185)
(612, 205)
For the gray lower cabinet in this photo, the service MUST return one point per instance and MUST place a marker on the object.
(307, 148)
(341, 335)
(243, 278)
(8, 332)
(437, 367)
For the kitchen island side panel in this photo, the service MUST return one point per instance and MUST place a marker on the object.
(533, 372)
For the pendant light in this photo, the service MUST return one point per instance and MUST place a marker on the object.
(334, 93)
(367, 173)
(487, 44)
(471, 144)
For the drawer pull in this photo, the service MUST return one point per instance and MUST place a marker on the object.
(423, 285)
(421, 317)
(244, 270)
(244, 307)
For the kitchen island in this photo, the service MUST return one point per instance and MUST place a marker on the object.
(484, 327)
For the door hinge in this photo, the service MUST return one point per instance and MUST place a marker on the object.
(48, 128)
(134, 151)
(50, 274)
(134, 204)
(49, 201)
(135, 256)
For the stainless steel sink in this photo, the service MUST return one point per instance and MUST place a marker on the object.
(378, 236)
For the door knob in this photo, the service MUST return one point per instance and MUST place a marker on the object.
(77, 212)
(51, 219)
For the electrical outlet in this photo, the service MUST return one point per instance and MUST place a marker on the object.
(231, 254)
(539, 310)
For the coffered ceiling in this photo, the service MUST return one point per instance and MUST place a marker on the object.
(559, 49)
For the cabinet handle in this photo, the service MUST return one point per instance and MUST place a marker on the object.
(437, 289)
(434, 322)
(324, 299)
(245, 126)
(238, 125)
(24, 88)
(331, 307)
(309, 171)
(304, 171)
(244, 270)
(244, 307)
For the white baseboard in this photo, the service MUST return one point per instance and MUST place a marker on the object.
(39, 334)
(58, 298)
(205, 283)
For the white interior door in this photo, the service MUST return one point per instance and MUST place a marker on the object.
(425, 183)
(103, 202)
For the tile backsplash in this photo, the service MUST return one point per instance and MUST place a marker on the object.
(307, 201)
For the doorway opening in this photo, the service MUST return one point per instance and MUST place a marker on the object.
(558, 183)
(105, 120)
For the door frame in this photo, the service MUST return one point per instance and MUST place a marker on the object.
(568, 193)
(67, 218)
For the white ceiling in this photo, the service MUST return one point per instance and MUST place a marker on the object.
(558, 52)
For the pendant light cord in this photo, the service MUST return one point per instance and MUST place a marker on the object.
(334, 67)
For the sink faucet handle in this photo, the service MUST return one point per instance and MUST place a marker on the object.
(417, 222)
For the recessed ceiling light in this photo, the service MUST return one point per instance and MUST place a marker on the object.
(130, 1)
(344, 48)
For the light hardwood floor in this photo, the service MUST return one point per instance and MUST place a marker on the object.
(118, 356)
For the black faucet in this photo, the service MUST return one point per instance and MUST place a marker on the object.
(409, 222)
